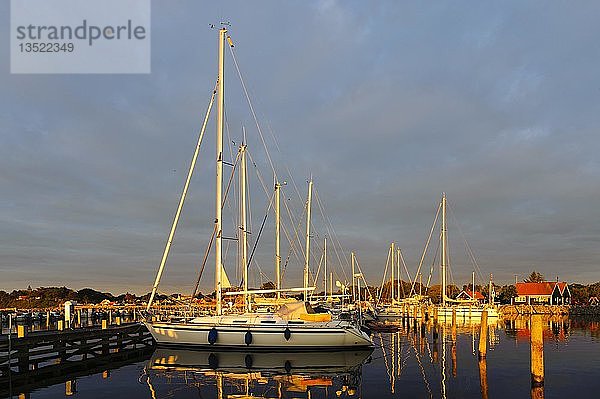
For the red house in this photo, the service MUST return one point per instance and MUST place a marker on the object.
(546, 292)
(468, 295)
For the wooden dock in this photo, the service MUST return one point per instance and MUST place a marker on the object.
(45, 358)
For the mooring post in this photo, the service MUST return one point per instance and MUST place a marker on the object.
(60, 325)
(70, 387)
(435, 344)
(453, 331)
(47, 319)
(537, 350)
(21, 331)
(453, 316)
(483, 383)
(104, 324)
(453, 355)
(483, 335)
(79, 317)
(23, 352)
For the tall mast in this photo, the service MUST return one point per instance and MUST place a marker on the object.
(219, 167)
(353, 273)
(473, 285)
(307, 250)
(277, 250)
(443, 239)
(330, 285)
(399, 274)
(243, 231)
(392, 255)
(324, 266)
(490, 289)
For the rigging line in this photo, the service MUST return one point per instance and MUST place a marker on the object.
(234, 222)
(204, 259)
(299, 250)
(292, 249)
(433, 262)
(449, 262)
(215, 229)
(412, 288)
(468, 247)
(181, 200)
(261, 180)
(296, 250)
(259, 233)
(252, 111)
(400, 274)
(363, 277)
(289, 173)
(406, 268)
(316, 276)
(332, 234)
(387, 262)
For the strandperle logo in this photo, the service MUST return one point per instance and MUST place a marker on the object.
(84, 31)
(80, 36)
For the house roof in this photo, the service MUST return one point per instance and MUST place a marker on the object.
(543, 288)
(470, 295)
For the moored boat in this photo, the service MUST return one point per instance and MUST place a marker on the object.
(293, 326)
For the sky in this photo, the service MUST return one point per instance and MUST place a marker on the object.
(385, 104)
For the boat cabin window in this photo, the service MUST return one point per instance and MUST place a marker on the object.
(268, 321)
(296, 322)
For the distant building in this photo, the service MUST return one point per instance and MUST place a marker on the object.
(468, 295)
(546, 293)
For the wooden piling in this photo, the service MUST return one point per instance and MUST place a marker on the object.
(60, 325)
(537, 350)
(483, 377)
(48, 319)
(483, 335)
(21, 331)
(104, 324)
(537, 392)
(453, 356)
(70, 387)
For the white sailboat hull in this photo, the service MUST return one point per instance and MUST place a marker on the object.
(260, 336)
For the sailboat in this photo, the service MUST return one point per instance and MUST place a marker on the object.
(399, 306)
(448, 306)
(292, 327)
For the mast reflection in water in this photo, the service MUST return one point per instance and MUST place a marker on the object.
(257, 375)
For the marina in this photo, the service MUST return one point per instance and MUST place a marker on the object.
(289, 200)
(434, 360)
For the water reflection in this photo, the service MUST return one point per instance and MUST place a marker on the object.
(275, 375)
(423, 360)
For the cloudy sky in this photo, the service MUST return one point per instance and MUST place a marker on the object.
(387, 104)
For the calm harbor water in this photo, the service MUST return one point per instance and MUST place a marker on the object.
(410, 363)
